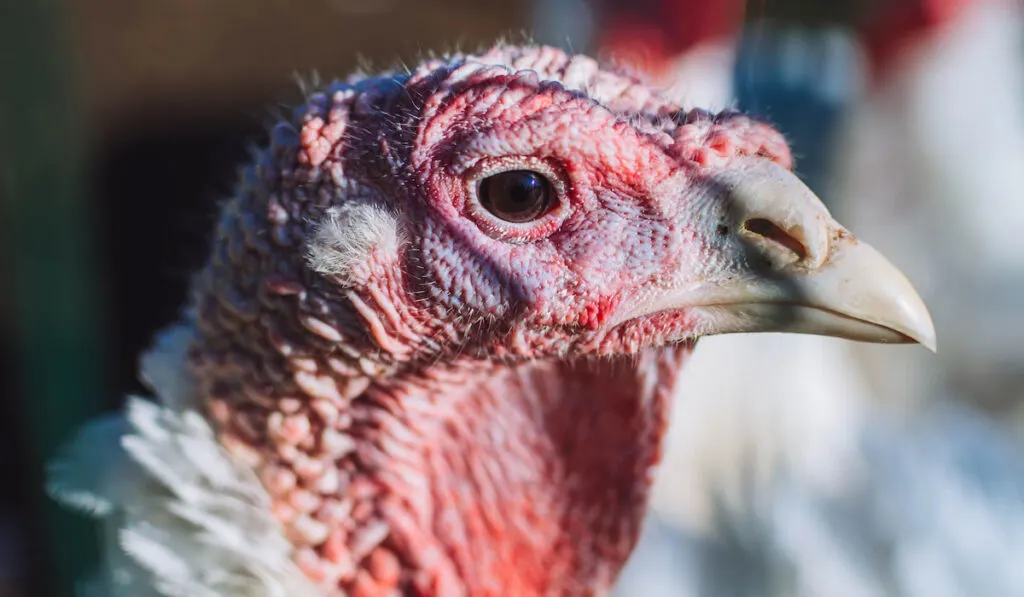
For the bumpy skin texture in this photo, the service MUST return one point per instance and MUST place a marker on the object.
(441, 403)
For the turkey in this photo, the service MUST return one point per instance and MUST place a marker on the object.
(434, 347)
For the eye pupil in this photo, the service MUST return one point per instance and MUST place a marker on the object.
(516, 195)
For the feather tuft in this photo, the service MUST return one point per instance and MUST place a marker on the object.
(348, 237)
(179, 517)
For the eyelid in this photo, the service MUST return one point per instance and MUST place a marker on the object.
(491, 166)
(512, 231)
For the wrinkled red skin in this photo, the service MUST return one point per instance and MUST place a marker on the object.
(461, 414)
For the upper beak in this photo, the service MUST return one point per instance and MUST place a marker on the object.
(813, 276)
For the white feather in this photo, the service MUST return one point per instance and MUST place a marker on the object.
(179, 517)
(349, 235)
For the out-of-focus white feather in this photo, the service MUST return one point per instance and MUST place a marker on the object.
(84, 475)
(162, 368)
(180, 517)
(702, 76)
(747, 406)
(936, 510)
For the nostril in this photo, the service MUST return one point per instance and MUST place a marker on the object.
(773, 232)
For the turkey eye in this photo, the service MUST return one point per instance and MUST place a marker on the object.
(516, 195)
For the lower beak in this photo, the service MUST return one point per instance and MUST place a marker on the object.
(811, 275)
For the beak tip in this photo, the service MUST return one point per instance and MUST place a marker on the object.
(875, 291)
(928, 339)
(914, 320)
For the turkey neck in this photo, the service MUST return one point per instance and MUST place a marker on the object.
(525, 479)
(470, 477)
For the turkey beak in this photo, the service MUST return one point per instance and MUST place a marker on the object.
(804, 272)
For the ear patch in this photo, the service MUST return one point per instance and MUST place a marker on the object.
(350, 237)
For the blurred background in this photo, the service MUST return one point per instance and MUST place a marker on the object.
(796, 466)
